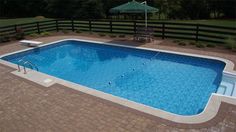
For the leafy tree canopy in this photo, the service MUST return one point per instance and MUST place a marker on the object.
(93, 9)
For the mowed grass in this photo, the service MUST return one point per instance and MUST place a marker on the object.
(6, 22)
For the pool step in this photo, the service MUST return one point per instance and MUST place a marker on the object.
(227, 88)
(234, 92)
(221, 90)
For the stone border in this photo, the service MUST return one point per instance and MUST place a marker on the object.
(208, 113)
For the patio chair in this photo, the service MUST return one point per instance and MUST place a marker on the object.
(143, 33)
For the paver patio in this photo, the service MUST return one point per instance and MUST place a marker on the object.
(27, 107)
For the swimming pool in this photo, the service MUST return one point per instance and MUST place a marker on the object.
(174, 83)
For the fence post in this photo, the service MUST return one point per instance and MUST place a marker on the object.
(57, 26)
(197, 30)
(163, 30)
(110, 26)
(90, 26)
(135, 26)
(72, 25)
(15, 28)
(38, 28)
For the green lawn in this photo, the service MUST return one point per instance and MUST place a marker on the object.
(6, 22)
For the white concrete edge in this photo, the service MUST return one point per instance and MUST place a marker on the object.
(208, 113)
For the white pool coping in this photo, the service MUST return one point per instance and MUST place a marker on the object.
(207, 114)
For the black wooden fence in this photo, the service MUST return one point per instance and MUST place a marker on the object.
(197, 32)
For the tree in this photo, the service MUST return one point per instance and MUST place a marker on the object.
(228, 8)
(91, 9)
(195, 9)
(162, 5)
(22, 8)
(61, 8)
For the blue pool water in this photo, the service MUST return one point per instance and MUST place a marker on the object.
(174, 83)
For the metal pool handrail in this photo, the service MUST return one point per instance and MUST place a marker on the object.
(18, 64)
(32, 65)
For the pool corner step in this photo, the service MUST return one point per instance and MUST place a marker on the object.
(234, 90)
(221, 90)
(227, 88)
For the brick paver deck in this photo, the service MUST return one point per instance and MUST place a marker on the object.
(27, 107)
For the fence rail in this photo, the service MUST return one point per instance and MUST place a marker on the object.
(197, 32)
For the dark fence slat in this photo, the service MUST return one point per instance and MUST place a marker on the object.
(180, 33)
(212, 36)
(3, 27)
(106, 28)
(46, 24)
(81, 26)
(197, 32)
(101, 24)
(125, 29)
(48, 27)
(180, 37)
(219, 27)
(7, 30)
(178, 28)
(212, 41)
(81, 22)
(121, 25)
(27, 27)
(218, 32)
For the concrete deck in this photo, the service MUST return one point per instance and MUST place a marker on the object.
(26, 106)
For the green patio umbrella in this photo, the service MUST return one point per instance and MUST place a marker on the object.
(134, 7)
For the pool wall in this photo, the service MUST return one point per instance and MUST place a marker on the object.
(209, 112)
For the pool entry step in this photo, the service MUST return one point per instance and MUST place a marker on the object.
(227, 86)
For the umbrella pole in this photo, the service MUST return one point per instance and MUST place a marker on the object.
(145, 2)
(146, 14)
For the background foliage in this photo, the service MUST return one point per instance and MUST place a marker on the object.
(89, 9)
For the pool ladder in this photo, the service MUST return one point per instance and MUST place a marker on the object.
(24, 63)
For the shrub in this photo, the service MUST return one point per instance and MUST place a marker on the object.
(45, 33)
(65, 31)
(102, 35)
(200, 45)
(231, 43)
(192, 43)
(39, 17)
(19, 34)
(211, 45)
(4, 38)
(122, 36)
(78, 31)
(112, 36)
(34, 35)
(182, 43)
(177, 41)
